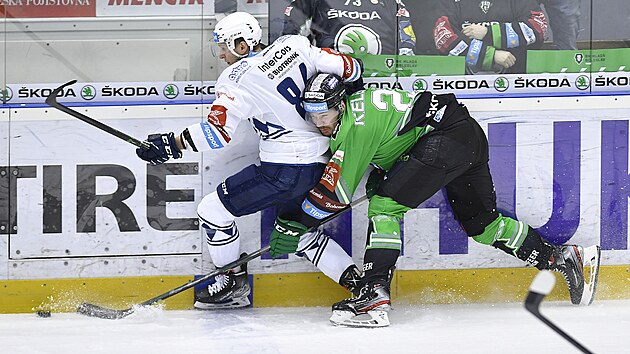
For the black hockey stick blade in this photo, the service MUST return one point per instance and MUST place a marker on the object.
(101, 312)
(112, 314)
(541, 286)
(51, 100)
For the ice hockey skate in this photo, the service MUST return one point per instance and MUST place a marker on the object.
(351, 279)
(580, 267)
(368, 309)
(228, 291)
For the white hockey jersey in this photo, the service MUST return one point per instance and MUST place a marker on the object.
(266, 89)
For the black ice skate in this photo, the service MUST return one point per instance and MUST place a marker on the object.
(229, 290)
(368, 309)
(572, 261)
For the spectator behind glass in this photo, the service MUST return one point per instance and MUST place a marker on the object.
(564, 20)
(494, 36)
(356, 27)
(424, 13)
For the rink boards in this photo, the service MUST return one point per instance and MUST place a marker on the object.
(84, 219)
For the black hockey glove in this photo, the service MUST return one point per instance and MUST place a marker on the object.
(285, 237)
(374, 180)
(163, 147)
(354, 86)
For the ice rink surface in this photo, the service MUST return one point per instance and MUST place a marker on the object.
(603, 327)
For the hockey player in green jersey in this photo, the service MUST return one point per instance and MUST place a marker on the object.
(419, 143)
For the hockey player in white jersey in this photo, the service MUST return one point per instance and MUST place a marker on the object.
(264, 86)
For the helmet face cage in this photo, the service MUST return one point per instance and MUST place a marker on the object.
(322, 93)
(235, 26)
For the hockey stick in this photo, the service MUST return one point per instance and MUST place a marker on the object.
(540, 287)
(105, 313)
(51, 100)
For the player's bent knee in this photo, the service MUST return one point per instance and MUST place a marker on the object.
(480, 223)
(213, 214)
(502, 229)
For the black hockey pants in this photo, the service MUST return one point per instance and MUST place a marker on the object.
(455, 157)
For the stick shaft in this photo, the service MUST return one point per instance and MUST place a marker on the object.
(51, 100)
(560, 332)
(101, 312)
(239, 261)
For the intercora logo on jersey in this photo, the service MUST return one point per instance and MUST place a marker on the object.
(170, 91)
(279, 62)
(6, 95)
(88, 92)
(358, 39)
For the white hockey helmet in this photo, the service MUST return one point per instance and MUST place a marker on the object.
(238, 25)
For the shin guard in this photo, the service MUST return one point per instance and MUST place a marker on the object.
(382, 249)
(517, 239)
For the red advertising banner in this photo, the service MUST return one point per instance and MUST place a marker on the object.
(47, 8)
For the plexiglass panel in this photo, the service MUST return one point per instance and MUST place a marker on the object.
(70, 189)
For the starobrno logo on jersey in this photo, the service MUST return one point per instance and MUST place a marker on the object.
(88, 92)
(358, 40)
(171, 91)
(582, 82)
(6, 95)
(501, 84)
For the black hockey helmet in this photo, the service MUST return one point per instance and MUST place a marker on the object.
(323, 92)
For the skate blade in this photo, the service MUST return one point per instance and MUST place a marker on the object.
(371, 319)
(231, 304)
(591, 272)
